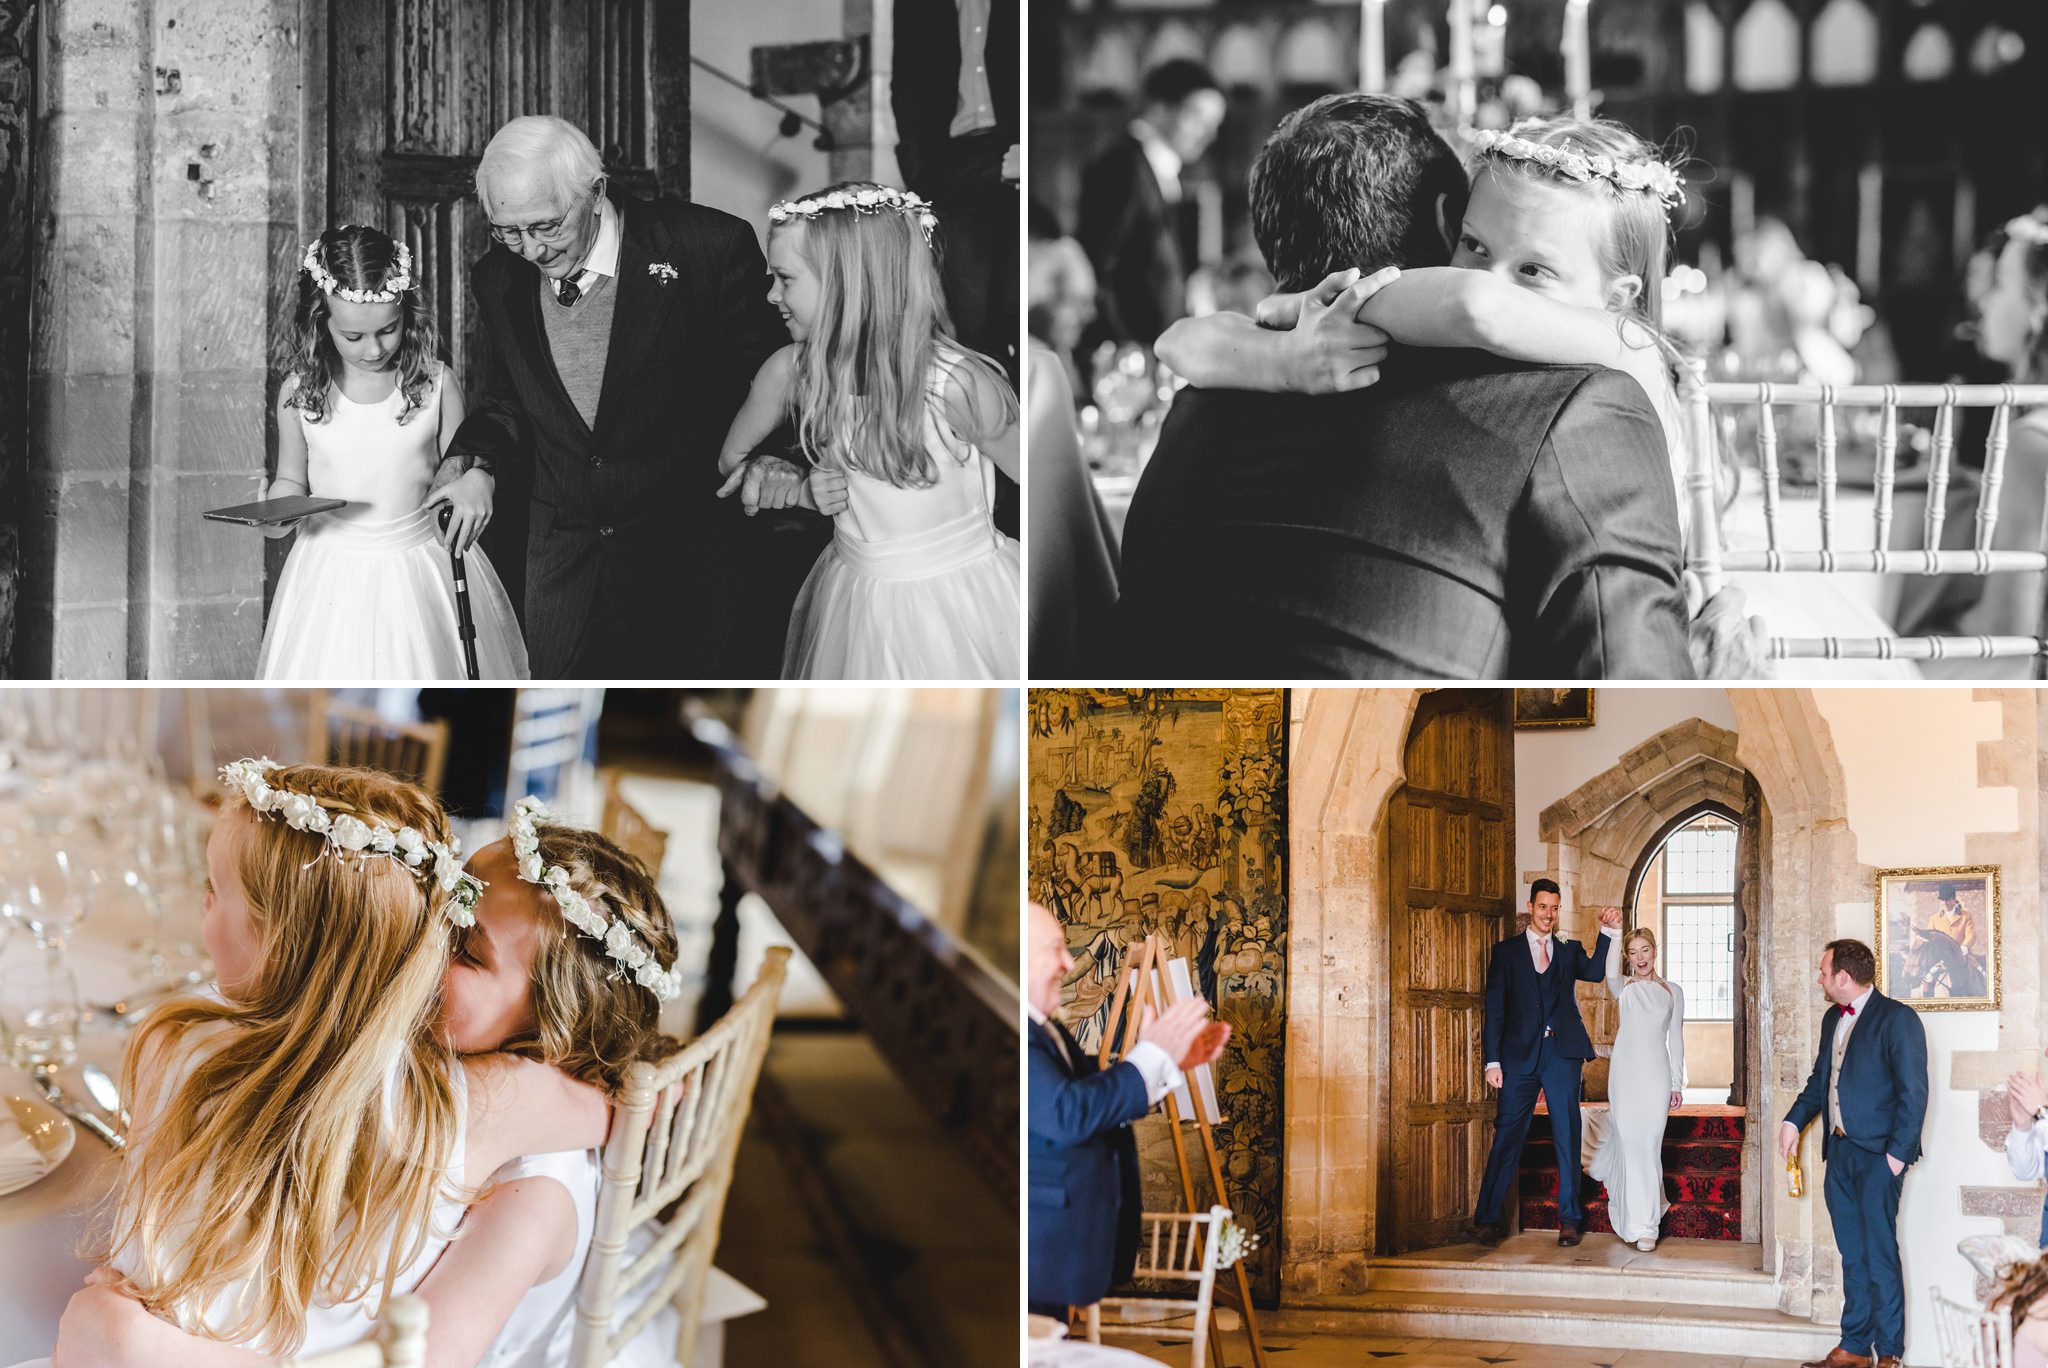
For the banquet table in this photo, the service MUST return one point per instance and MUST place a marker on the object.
(43, 1226)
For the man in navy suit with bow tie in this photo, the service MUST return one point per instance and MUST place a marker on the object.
(1869, 1086)
(1535, 1042)
(1084, 1198)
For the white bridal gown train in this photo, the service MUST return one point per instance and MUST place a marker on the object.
(1647, 1067)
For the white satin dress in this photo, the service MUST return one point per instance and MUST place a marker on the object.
(368, 591)
(1648, 1065)
(917, 583)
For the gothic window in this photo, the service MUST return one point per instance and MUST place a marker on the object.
(1845, 44)
(1930, 56)
(1767, 47)
(1705, 46)
(1690, 888)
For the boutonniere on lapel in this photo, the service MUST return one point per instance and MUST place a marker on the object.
(661, 271)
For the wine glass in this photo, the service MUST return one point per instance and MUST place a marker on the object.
(39, 1012)
(52, 903)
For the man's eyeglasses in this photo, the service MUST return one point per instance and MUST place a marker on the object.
(549, 233)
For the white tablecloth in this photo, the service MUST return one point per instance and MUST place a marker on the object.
(42, 1226)
(1081, 1354)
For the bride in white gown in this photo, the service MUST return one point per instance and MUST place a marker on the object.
(1645, 1080)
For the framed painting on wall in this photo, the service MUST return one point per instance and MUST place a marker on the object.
(1937, 937)
(1553, 708)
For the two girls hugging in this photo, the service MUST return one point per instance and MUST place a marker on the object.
(400, 1086)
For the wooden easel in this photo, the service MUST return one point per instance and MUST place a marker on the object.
(1136, 985)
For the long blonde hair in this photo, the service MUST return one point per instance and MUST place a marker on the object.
(591, 1019)
(301, 1153)
(865, 375)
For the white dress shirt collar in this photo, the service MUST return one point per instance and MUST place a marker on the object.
(604, 253)
(1860, 1003)
(1166, 163)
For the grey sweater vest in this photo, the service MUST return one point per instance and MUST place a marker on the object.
(578, 338)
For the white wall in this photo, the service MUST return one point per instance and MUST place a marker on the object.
(1909, 758)
(739, 162)
(1551, 763)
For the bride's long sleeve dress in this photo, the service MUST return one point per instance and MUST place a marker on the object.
(1647, 1067)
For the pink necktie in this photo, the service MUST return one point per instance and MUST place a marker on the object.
(1543, 956)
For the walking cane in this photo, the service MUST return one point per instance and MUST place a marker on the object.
(465, 624)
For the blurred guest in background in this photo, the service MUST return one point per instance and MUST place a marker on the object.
(955, 96)
(1061, 290)
(1130, 196)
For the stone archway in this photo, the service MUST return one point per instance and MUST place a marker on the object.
(1345, 761)
(1598, 839)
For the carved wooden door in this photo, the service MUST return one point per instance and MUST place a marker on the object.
(418, 87)
(1452, 847)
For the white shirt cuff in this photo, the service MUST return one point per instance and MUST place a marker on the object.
(1160, 1073)
(1493, 1063)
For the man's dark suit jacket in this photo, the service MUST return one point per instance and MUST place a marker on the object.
(1884, 1082)
(1465, 518)
(1127, 229)
(924, 92)
(1521, 1003)
(1082, 1164)
(622, 554)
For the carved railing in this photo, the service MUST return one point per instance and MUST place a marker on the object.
(945, 1022)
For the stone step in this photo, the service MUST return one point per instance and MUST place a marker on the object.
(1605, 1270)
(1685, 1220)
(1647, 1323)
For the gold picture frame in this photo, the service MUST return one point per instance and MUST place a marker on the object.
(1537, 708)
(1937, 937)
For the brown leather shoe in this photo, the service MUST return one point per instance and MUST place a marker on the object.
(1838, 1357)
(1567, 1233)
(1486, 1235)
(1889, 1361)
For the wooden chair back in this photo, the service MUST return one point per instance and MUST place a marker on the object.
(400, 1342)
(411, 750)
(675, 1137)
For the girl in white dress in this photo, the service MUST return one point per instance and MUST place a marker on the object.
(905, 429)
(1645, 1080)
(364, 414)
(304, 1144)
(522, 981)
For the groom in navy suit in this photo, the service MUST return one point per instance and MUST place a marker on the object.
(1869, 1084)
(1535, 1042)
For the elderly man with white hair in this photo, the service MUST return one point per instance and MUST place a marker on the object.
(622, 335)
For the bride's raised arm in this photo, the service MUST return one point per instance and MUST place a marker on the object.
(1617, 960)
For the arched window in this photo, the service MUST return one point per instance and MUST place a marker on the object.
(1687, 895)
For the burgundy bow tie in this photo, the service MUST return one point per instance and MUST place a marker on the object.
(1848, 1011)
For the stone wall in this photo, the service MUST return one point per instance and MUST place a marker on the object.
(171, 139)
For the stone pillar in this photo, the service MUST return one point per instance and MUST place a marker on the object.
(18, 39)
(169, 185)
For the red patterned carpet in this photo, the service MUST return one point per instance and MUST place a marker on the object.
(1702, 1176)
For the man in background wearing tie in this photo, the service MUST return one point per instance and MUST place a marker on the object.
(1535, 1042)
(1871, 1079)
(1084, 1197)
(1130, 204)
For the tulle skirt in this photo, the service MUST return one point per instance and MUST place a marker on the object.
(376, 600)
(942, 604)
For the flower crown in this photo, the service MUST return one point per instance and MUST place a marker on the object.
(871, 200)
(352, 835)
(1651, 177)
(394, 285)
(621, 942)
(2029, 229)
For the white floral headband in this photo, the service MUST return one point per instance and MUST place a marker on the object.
(394, 285)
(621, 942)
(352, 835)
(873, 199)
(1650, 177)
(2028, 229)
